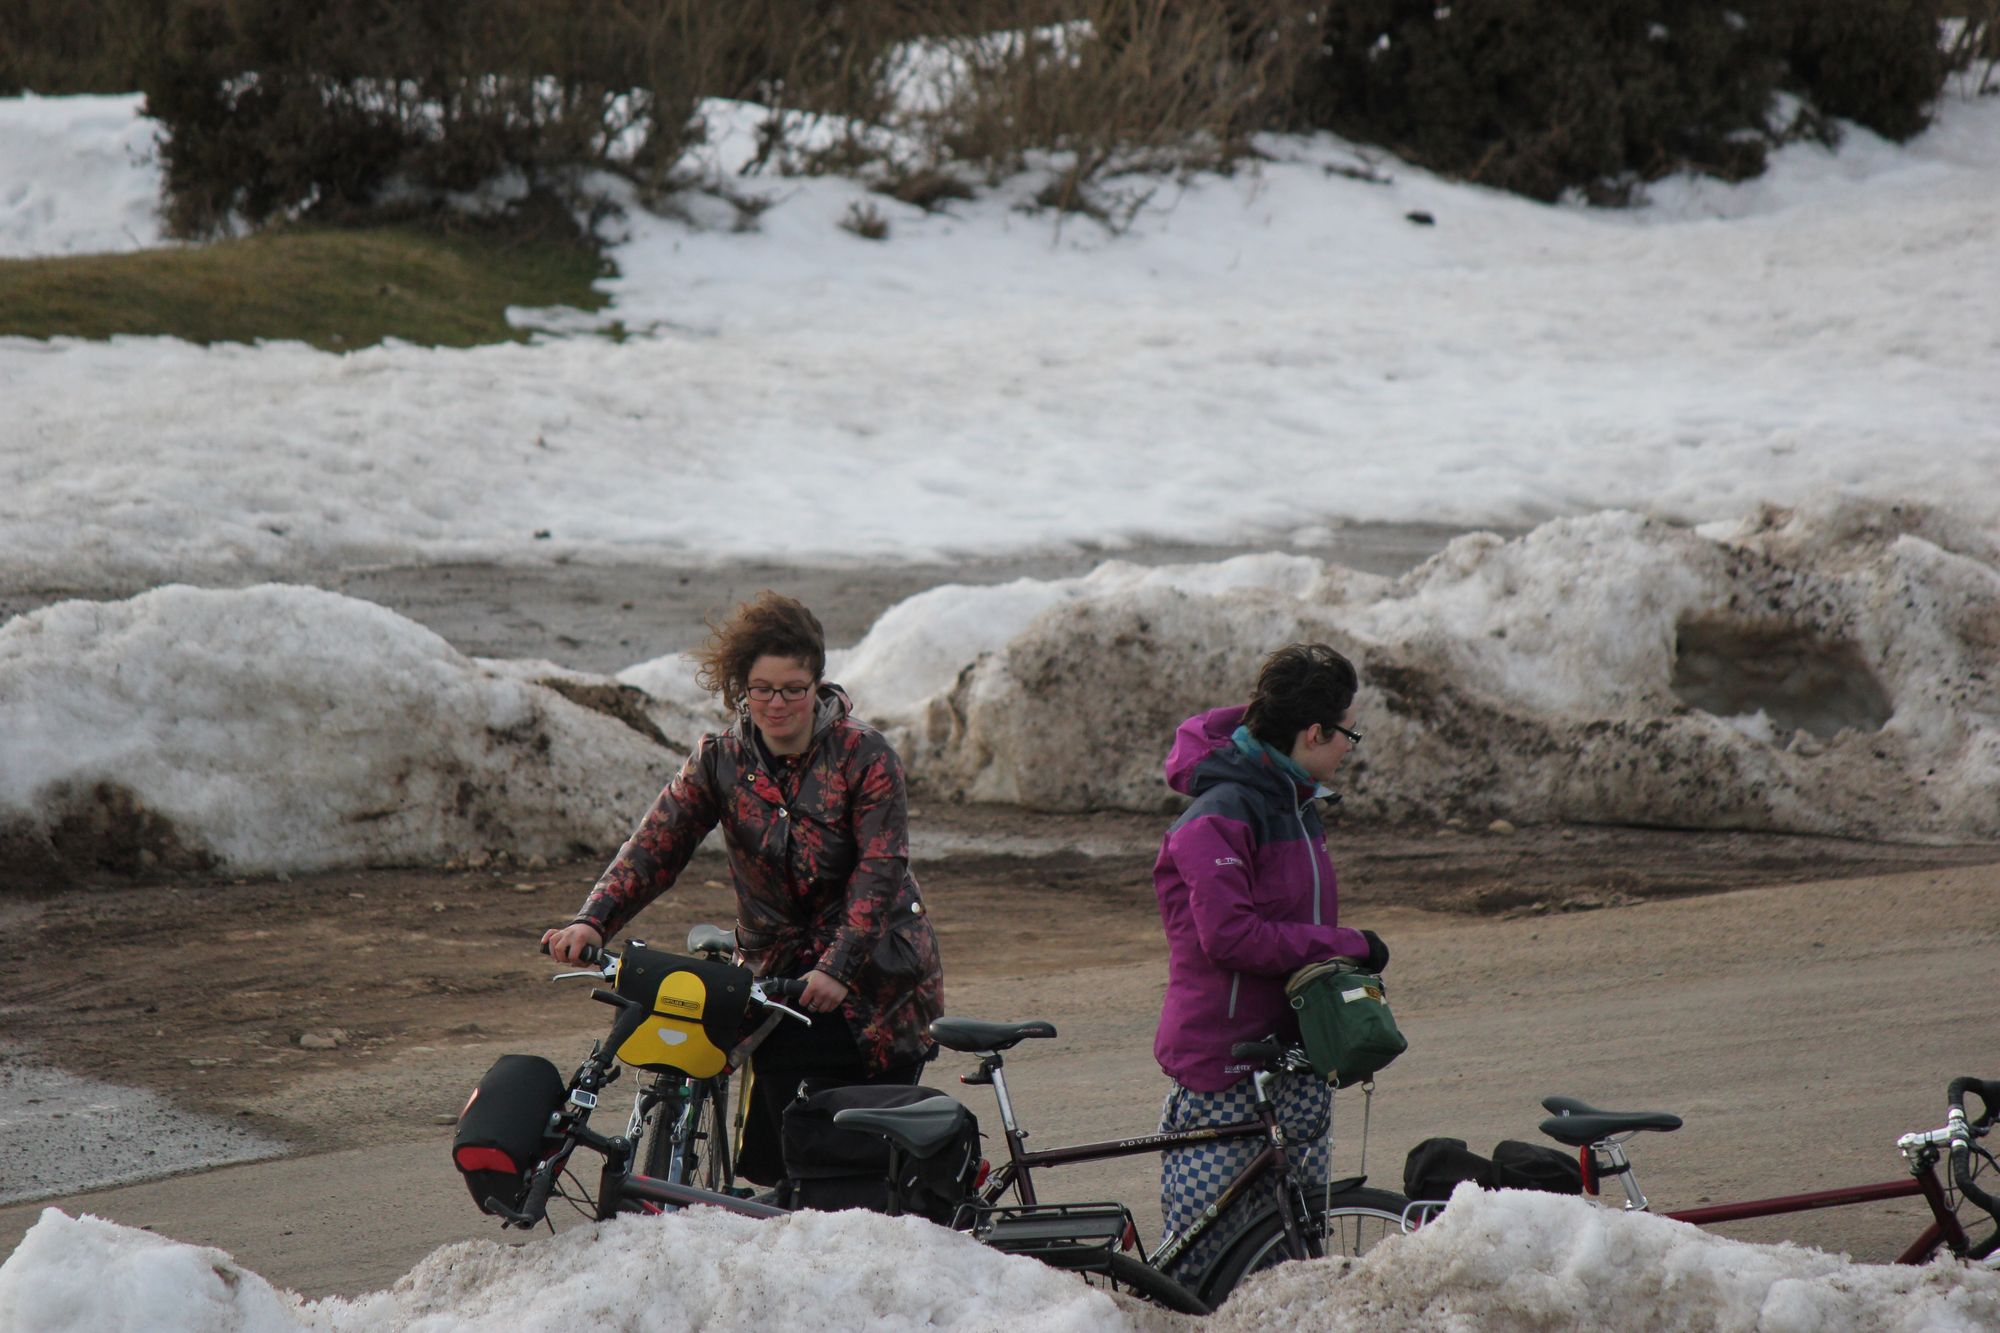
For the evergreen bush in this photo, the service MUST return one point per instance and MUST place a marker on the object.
(1548, 96)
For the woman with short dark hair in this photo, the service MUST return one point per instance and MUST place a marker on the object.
(812, 805)
(1247, 897)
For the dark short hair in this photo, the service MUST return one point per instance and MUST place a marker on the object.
(1300, 684)
(768, 625)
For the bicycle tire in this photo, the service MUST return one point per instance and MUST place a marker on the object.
(1351, 1224)
(657, 1146)
(1136, 1277)
(718, 1167)
(1983, 1249)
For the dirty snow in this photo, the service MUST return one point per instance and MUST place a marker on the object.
(1500, 1261)
(283, 728)
(1823, 670)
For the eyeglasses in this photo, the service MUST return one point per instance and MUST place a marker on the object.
(763, 693)
(1353, 737)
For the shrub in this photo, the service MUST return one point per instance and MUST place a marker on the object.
(274, 107)
(1544, 96)
(1879, 63)
(56, 47)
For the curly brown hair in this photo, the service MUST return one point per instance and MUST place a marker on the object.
(1300, 684)
(768, 625)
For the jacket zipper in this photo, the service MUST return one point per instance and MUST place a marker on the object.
(1235, 983)
(1300, 815)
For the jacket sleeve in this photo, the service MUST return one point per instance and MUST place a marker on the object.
(658, 850)
(1215, 857)
(880, 824)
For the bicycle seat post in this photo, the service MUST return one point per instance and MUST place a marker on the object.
(1612, 1161)
(990, 1072)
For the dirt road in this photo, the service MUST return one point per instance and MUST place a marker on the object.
(1800, 1001)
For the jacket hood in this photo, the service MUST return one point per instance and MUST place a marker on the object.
(1203, 754)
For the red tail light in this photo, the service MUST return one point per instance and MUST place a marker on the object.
(985, 1170)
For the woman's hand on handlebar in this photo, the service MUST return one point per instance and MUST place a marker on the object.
(566, 944)
(822, 993)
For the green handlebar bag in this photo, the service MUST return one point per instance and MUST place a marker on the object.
(1344, 1021)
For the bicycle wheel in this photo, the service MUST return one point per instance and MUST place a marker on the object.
(1352, 1222)
(1135, 1277)
(656, 1149)
(1983, 1249)
(710, 1138)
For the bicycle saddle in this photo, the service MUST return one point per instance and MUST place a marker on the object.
(712, 939)
(1580, 1124)
(920, 1129)
(979, 1038)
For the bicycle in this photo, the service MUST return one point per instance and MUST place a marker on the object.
(1274, 1215)
(681, 1122)
(1600, 1137)
(1078, 1238)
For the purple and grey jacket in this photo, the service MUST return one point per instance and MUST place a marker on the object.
(1247, 897)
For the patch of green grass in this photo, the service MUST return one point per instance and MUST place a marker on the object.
(338, 289)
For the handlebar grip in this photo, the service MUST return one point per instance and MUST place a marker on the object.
(1987, 1090)
(1264, 1052)
(783, 988)
(590, 955)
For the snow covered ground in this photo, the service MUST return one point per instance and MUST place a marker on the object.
(1258, 358)
(1758, 423)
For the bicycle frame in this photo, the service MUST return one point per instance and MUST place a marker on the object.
(1923, 1182)
(1273, 1163)
(1944, 1228)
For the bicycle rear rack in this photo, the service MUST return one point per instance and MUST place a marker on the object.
(1041, 1228)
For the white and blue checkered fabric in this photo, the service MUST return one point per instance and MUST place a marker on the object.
(1193, 1178)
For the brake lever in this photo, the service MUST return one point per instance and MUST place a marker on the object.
(789, 1011)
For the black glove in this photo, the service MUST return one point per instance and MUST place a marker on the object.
(1378, 952)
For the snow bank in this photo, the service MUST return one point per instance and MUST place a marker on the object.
(686, 1271)
(1495, 1261)
(1518, 1262)
(77, 175)
(1829, 670)
(282, 728)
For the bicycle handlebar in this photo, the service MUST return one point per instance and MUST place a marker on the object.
(1962, 1132)
(769, 991)
(591, 955)
(1988, 1092)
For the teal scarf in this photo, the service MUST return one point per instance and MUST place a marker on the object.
(1278, 759)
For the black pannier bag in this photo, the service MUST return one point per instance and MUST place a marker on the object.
(501, 1130)
(1436, 1165)
(1536, 1166)
(830, 1167)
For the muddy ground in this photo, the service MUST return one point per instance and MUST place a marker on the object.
(221, 979)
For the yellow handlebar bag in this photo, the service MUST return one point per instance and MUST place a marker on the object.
(696, 1009)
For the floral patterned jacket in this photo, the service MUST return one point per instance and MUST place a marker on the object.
(819, 850)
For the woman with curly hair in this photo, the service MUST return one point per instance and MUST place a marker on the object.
(813, 812)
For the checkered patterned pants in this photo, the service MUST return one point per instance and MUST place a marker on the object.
(1193, 1178)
